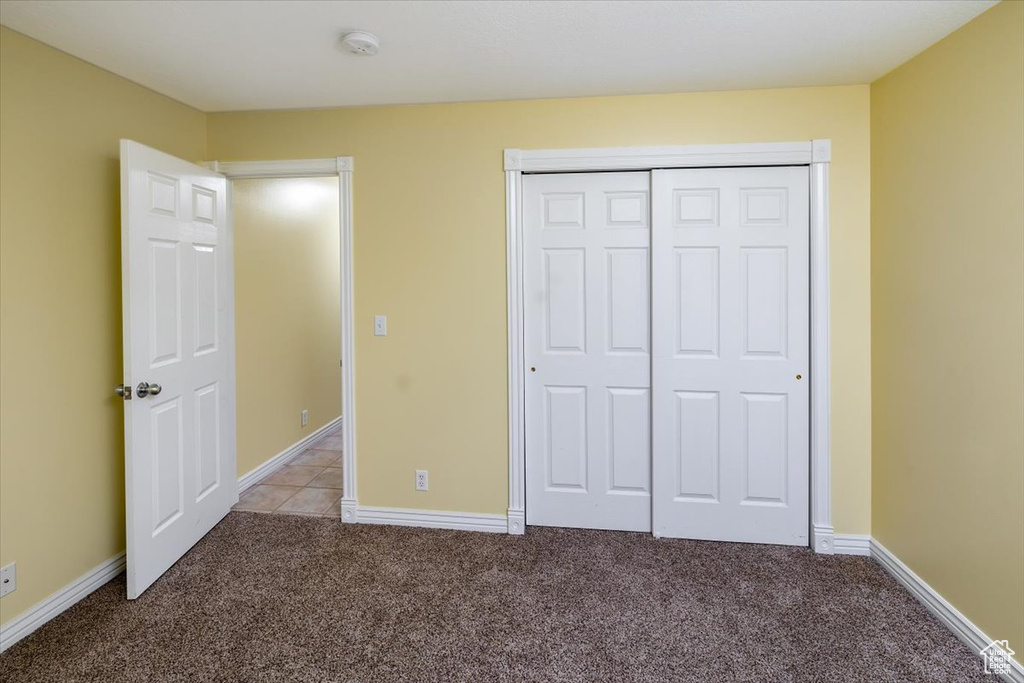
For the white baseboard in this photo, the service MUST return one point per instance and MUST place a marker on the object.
(433, 519)
(42, 612)
(277, 462)
(851, 544)
(962, 627)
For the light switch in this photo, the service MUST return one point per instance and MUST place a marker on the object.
(380, 326)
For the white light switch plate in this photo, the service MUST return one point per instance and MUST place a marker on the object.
(380, 326)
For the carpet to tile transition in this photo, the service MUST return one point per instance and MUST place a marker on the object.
(278, 598)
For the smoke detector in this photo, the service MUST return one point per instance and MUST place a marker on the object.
(361, 43)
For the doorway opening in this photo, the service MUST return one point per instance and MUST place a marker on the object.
(293, 227)
(288, 341)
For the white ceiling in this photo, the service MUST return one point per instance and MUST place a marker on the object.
(271, 54)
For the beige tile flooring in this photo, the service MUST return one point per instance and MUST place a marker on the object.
(308, 484)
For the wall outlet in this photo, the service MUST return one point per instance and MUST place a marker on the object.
(8, 579)
(421, 480)
(305, 418)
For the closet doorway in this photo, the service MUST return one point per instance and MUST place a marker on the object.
(666, 351)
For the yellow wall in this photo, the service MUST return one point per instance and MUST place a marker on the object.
(430, 254)
(287, 312)
(61, 451)
(948, 318)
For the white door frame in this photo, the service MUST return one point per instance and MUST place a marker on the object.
(817, 154)
(342, 168)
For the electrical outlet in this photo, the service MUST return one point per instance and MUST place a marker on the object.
(8, 579)
(421, 480)
(305, 418)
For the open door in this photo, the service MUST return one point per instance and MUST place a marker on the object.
(179, 357)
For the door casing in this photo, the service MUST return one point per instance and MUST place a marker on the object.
(341, 168)
(816, 154)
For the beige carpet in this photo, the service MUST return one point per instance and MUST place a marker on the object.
(278, 598)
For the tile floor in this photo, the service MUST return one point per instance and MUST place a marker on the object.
(308, 484)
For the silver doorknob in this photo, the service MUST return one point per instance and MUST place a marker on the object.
(146, 389)
(123, 391)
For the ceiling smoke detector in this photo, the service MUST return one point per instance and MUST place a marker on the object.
(361, 43)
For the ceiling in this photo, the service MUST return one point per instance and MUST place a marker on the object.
(272, 54)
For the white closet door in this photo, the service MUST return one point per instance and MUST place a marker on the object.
(730, 354)
(587, 342)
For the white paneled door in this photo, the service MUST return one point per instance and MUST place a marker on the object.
(587, 350)
(666, 349)
(730, 354)
(179, 390)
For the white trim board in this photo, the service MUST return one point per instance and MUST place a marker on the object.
(40, 613)
(276, 462)
(342, 167)
(817, 154)
(648, 158)
(294, 168)
(432, 519)
(962, 627)
(849, 544)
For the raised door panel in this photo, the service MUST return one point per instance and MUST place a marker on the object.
(629, 440)
(204, 205)
(168, 484)
(566, 302)
(764, 206)
(695, 208)
(765, 448)
(205, 323)
(696, 453)
(566, 430)
(163, 194)
(628, 301)
(627, 209)
(165, 302)
(696, 302)
(764, 308)
(207, 444)
(563, 210)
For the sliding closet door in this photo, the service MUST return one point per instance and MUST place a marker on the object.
(586, 240)
(730, 354)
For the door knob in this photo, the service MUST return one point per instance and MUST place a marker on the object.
(123, 391)
(146, 389)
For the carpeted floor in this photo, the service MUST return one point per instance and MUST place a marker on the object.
(277, 598)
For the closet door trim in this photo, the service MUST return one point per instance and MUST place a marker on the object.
(814, 153)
